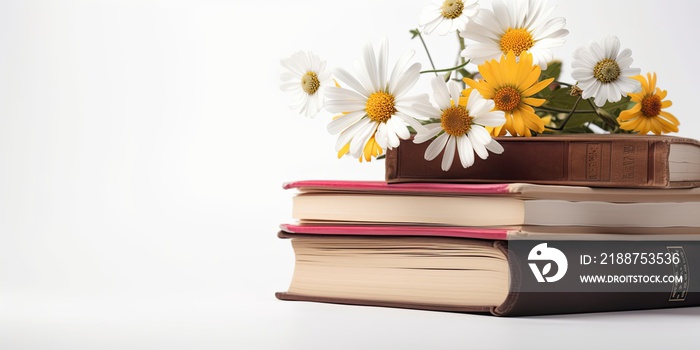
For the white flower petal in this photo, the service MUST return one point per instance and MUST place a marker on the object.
(357, 145)
(589, 90)
(425, 110)
(311, 107)
(598, 51)
(612, 47)
(289, 86)
(347, 78)
(399, 68)
(429, 14)
(293, 66)
(434, 24)
(494, 147)
(602, 97)
(493, 118)
(406, 81)
(343, 106)
(363, 76)
(625, 62)
(445, 27)
(391, 136)
(628, 85)
(449, 155)
(502, 14)
(630, 72)
(415, 124)
(582, 74)
(289, 77)
(347, 134)
(479, 106)
(338, 93)
(440, 93)
(455, 91)
(380, 136)
(464, 149)
(614, 95)
(370, 64)
(399, 127)
(382, 63)
(340, 124)
(435, 147)
(551, 27)
(430, 131)
(479, 134)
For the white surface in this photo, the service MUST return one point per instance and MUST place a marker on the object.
(143, 145)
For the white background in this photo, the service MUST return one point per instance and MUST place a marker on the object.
(143, 147)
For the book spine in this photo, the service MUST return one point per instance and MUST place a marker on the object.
(597, 162)
(529, 297)
(391, 163)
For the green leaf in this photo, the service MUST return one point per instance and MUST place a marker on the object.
(415, 33)
(577, 120)
(553, 70)
(561, 98)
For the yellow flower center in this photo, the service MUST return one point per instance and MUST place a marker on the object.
(452, 9)
(516, 40)
(507, 99)
(310, 83)
(651, 106)
(380, 106)
(456, 121)
(606, 71)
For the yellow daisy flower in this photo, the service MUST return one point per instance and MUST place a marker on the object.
(647, 115)
(510, 83)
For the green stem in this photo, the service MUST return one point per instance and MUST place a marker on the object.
(426, 50)
(566, 120)
(445, 69)
(562, 110)
(611, 123)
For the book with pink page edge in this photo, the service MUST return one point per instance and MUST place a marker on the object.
(397, 230)
(519, 190)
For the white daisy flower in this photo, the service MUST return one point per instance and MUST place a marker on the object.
(514, 25)
(374, 106)
(307, 77)
(461, 126)
(447, 16)
(603, 71)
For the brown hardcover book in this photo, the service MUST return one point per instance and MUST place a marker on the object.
(447, 269)
(618, 160)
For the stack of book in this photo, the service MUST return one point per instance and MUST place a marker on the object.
(557, 224)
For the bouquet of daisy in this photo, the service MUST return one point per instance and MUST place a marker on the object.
(515, 91)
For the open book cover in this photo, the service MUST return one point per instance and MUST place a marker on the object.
(494, 270)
